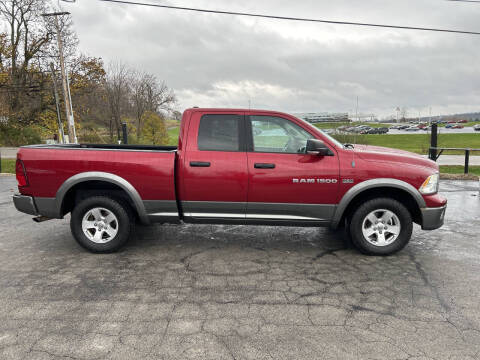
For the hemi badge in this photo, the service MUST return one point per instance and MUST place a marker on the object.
(347, 181)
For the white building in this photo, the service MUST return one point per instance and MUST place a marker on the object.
(323, 117)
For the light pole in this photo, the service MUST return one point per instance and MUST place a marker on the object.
(72, 137)
(60, 125)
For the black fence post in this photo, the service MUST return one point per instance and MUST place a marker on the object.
(433, 142)
(467, 159)
(124, 133)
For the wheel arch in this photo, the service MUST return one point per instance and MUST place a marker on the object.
(95, 177)
(392, 188)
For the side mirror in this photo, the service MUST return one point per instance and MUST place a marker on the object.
(317, 147)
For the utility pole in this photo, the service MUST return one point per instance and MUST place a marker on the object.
(60, 125)
(72, 137)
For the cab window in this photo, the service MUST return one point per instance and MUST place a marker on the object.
(219, 133)
(278, 135)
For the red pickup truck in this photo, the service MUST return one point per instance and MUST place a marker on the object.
(233, 167)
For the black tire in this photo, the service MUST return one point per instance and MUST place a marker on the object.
(397, 208)
(123, 224)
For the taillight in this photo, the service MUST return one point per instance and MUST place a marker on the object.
(21, 174)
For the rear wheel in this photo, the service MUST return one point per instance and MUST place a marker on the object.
(101, 224)
(381, 226)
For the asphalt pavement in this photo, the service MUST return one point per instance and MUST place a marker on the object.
(240, 292)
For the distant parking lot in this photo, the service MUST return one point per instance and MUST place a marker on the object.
(238, 292)
(441, 130)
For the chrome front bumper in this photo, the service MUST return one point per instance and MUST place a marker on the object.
(433, 218)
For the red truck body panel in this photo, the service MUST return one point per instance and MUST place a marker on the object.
(151, 173)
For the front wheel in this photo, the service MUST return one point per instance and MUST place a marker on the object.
(381, 226)
(101, 224)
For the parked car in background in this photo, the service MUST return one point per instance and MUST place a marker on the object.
(448, 126)
(367, 130)
(412, 128)
(457, 126)
(476, 127)
(361, 129)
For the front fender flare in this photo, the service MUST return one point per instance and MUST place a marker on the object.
(370, 184)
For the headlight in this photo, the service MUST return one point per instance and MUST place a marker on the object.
(430, 185)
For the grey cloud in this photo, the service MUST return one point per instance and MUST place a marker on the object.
(213, 60)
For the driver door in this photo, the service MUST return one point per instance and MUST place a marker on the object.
(285, 183)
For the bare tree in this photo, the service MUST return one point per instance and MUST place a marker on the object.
(26, 49)
(26, 36)
(149, 95)
(117, 87)
(177, 115)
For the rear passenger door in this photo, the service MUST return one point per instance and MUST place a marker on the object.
(214, 174)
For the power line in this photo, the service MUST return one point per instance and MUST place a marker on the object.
(471, 1)
(275, 17)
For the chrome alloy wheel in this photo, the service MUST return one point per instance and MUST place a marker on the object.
(100, 225)
(381, 227)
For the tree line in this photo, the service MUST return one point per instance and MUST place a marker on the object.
(103, 95)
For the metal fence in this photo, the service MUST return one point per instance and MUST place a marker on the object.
(435, 153)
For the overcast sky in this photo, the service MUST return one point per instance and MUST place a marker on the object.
(223, 61)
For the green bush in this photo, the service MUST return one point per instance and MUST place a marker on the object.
(17, 136)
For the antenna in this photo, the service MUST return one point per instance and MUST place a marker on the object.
(358, 119)
(355, 137)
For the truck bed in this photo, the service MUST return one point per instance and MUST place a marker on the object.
(148, 169)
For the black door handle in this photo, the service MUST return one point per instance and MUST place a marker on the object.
(264, 166)
(199, 164)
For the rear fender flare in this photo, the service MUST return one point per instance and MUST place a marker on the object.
(370, 184)
(107, 177)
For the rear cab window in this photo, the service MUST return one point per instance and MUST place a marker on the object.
(220, 132)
